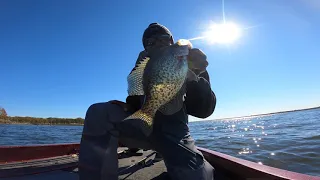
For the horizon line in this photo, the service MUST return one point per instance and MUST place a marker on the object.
(254, 115)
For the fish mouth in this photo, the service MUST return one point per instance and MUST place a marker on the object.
(181, 60)
(181, 57)
(181, 50)
(181, 53)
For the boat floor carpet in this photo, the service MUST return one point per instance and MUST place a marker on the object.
(132, 166)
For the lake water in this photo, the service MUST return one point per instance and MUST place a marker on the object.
(289, 141)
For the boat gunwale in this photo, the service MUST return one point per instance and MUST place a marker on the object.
(13, 153)
(227, 163)
(256, 169)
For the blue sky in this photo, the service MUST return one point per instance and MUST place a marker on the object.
(58, 57)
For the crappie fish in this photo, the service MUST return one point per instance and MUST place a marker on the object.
(159, 77)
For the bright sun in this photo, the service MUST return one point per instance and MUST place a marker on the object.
(225, 33)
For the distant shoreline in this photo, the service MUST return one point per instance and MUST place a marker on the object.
(266, 114)
(14, 123)
(42, 121)
(80, 121)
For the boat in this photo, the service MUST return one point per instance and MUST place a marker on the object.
(60, 161)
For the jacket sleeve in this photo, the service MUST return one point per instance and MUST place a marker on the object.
(200, 99)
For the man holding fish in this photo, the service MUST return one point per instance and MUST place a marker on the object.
(168, 83)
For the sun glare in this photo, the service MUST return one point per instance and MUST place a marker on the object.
(225, 33)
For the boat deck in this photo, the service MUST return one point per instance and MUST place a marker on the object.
(146, 170)
(48, 162)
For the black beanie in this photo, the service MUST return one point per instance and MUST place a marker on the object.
(153, 30)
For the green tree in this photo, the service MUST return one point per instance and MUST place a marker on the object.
(3, 113)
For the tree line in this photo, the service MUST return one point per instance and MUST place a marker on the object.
(50, 120)
(5, 119)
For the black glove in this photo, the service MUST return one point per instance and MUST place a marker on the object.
(197, 61)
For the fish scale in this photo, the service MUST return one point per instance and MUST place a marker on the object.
(135, 80)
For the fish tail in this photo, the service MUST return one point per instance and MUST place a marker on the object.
(144, 121)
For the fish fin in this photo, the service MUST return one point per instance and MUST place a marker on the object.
(144, 121)
(134, 79)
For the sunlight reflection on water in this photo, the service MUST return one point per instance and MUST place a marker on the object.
(279, 140)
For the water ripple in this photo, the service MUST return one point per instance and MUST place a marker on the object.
(288, 140)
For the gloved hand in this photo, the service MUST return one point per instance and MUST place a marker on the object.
(197, 61)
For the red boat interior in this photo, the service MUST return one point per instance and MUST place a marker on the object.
(61, 162)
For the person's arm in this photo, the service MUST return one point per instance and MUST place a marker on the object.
(200, 99)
